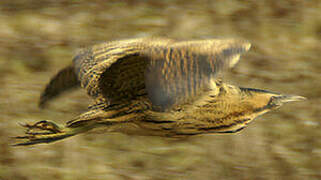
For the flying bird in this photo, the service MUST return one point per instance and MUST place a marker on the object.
(156, 87)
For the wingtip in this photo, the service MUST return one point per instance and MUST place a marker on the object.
(247, 45)
(244, 44)
(42, 105)
(242, 47)
(43, 99)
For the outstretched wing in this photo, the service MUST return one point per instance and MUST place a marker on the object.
(114, 71)
(182, 71)
(169, 72)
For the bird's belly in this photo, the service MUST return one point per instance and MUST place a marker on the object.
(180, 129)
(134, 129)
(185, 124)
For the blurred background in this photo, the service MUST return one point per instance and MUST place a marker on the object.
(37, 38)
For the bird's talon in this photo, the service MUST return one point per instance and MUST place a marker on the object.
(38, 132)
(41, 125)
(21, 137)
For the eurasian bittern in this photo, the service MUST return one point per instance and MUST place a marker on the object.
(156, 86)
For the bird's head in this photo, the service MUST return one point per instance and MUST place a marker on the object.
(262, 100)
(278, 100)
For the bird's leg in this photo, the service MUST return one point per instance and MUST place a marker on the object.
(48, 131)
(43, 132)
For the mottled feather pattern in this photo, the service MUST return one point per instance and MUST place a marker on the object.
(156, 86)
(185, 70)
(182, 69)
(105, 55)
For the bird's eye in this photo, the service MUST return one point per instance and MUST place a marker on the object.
(272, 101)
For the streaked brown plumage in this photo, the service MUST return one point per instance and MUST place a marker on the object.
(156, 86)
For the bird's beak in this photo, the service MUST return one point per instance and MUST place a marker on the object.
(281, 99)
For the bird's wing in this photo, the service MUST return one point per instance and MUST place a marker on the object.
(114, 71)
(181, 71)
(169, 72)
(64, 80)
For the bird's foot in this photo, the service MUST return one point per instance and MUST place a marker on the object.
(41, 132)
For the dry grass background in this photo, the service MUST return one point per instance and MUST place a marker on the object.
(39, 37)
